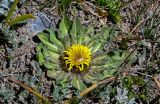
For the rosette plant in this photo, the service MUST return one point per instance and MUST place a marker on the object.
(71, 54)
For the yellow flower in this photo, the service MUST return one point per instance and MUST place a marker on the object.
(77, 58)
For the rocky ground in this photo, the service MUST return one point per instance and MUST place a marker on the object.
(18, 56)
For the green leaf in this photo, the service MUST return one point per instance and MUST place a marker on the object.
(64, 4)
(75, 30)
(81, 36)
(21, 18)
(85, 39)
(64, 26)
(90, 44)
(49, 65)
(50, 56)
(89, 30)
(54, 55)
(62, 75)
(43, 37)
(55, 40)
(45, 52)
(52, 73)
(77, 83)
(89, 79)
(11, 11)
(39, 54)
(114, 7)
(112, 64)
(108, 73)
(100, 57)
(96, 47)
(118, 56)
(79, 39)
(106, 34)
(67, 42)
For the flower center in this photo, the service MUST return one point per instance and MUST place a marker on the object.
(77, 58)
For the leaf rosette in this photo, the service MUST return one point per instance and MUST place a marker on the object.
(71, 54)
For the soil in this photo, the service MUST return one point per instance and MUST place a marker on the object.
(18, 56)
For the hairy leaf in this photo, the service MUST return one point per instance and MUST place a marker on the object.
(78, 83)
(39, 55)
(64, 26)
(49, 65)
(43, 37)
(52, 73)
(75, 29)
(54, 39)
(96, 47)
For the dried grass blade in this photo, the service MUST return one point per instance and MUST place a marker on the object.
(31, 90)
(87, 90)
(157, 82)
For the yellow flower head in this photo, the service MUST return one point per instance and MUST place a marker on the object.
(77, 58)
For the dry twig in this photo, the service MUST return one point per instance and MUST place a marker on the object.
(87, 90)
(28, 88)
